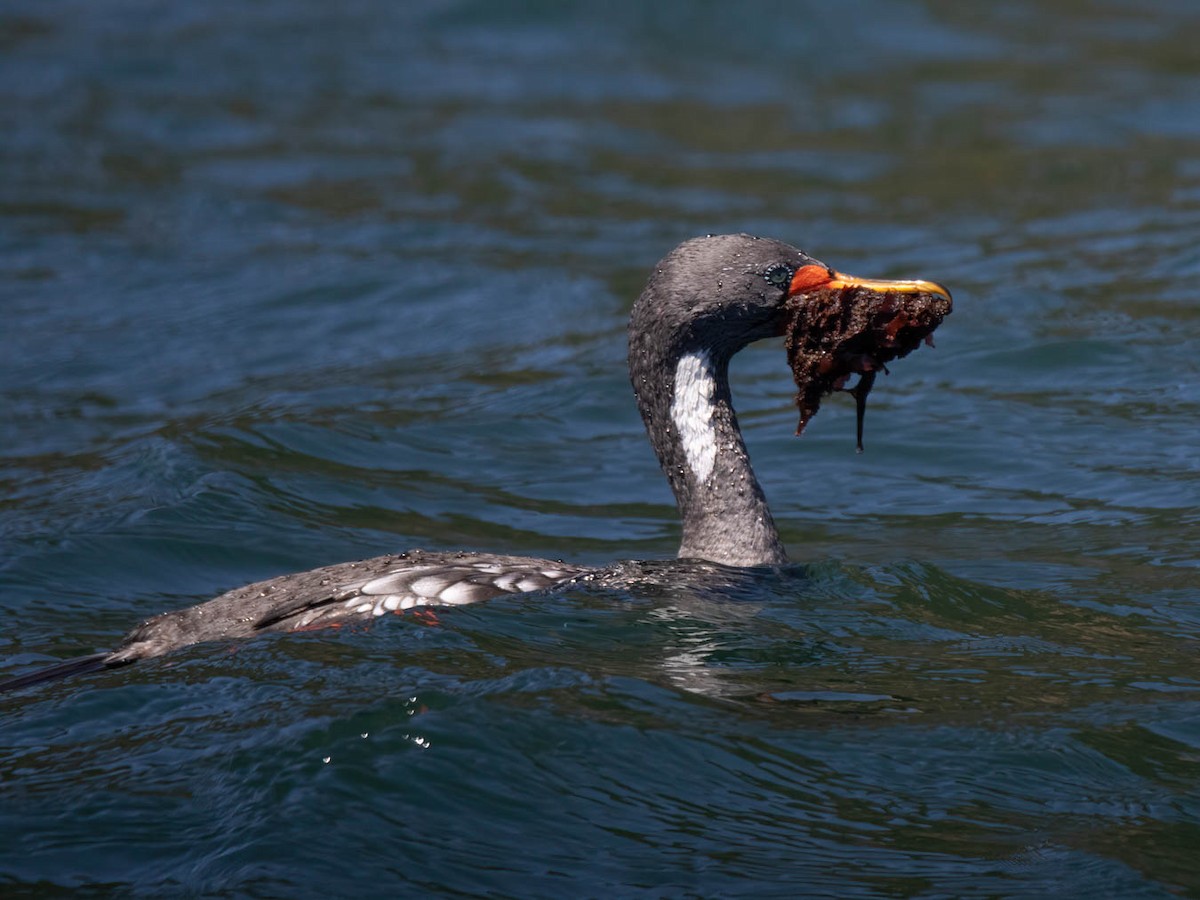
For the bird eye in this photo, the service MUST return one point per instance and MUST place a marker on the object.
(778, 275)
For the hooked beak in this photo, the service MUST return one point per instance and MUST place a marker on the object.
(818, 278)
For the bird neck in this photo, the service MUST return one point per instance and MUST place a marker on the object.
(685, 402)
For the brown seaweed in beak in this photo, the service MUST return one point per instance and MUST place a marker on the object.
(865, 382)
(844, 326)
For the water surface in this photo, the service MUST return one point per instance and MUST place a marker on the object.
(286, 284)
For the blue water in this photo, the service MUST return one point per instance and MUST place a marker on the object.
(290, 283)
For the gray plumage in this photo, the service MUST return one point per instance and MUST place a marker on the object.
(346, 592)
(705, 300)
(710, 296)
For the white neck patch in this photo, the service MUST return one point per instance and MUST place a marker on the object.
(692, 412)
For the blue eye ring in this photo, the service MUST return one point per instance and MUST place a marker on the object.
(779, 275)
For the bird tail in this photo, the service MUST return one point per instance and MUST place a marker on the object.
(65, 669)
